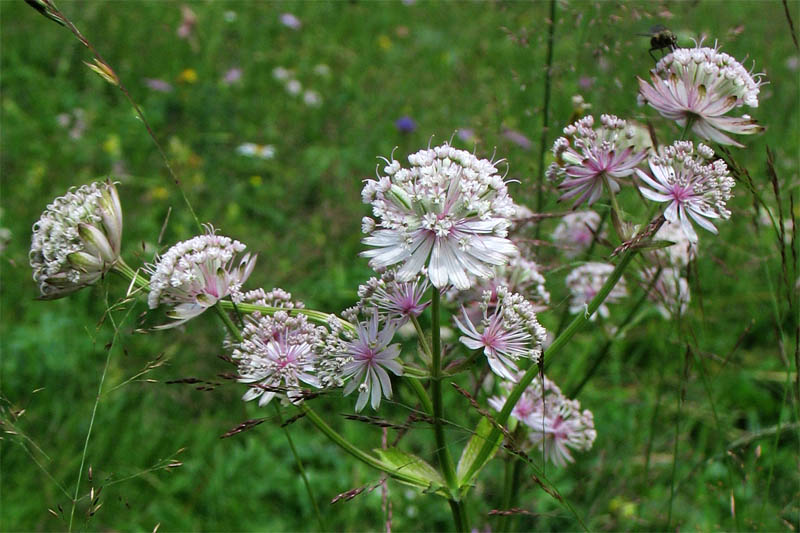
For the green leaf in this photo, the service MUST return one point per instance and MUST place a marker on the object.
(471, 450)
(426, 476)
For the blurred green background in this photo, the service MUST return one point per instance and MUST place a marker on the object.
(209, 86)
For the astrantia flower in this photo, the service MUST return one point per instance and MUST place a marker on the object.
(576, 231)
(450, 212)
(670, 291)
(276, 353)
(395, 300)
(371, 356)
(555, 423)
(508, 331)
(193, 275)
(76, 240)
(588, 159)
(679, 254)
(694, 186)
(702, 85)
(586, 281)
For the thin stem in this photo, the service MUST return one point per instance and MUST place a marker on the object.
(68, 23)
(620, 329)
(422, 340)
(228, 323)
(557, 346)
(300, 468)
(545, 111)
(422, 394)
(348, 447)
(318, 317)
(443, 453)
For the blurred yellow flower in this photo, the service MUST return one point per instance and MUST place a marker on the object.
(188, 75)
(256, 181)
(160, 193)
(384, 42)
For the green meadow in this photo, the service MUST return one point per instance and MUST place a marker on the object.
(698, 421)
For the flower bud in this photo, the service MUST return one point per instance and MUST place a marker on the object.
(76, 240)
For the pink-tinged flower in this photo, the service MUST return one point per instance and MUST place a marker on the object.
(193, 275)
(589, 159)
(371, 356)
(395, 300)
(576, 232)
(701, 85)
(508, 331)
(670, 291)
(188, 21)
(556, 425)
(76, 240)
(450, 212)
(695, 187)
(276, 353)
(586, 281)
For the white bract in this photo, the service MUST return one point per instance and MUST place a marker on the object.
(450, 212)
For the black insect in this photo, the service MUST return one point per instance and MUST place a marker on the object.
(661, 38)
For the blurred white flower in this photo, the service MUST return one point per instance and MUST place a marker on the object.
(294, 87)
(576, 232)
(291, 21)
(312, 98)
(555, 423)
(586, 281)
(264, 151)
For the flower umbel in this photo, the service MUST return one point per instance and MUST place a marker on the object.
(700, 86)
(586, 281)
(555, 423)
(450, 212)
(509, 331)
(76, 240)
(276, 353)
(576, 231)
(588, 158)
(694, 186)
(670, 291)
(193, 275)
(395, 300)
(371, 356)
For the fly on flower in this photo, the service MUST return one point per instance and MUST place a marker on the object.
(698, 87)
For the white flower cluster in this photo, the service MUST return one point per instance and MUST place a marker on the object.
(695, 187)
(670, 291)
(193, 275)
(576, 231)
(77, 239)
(585, 281)
(701, 86)
(277, 352)
(509, 330)
(394, 300)
(450, 212)
(555, 423)
(588, 158)
(716, 71)
(679, 254)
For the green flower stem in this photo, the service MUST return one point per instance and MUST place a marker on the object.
(348, 447)
(443, 453)
(422, 394)
(122, 268)
(317, 317)
(554, 348)
(234, 331)
(422, 340)
(300, 468)
(607, 346)
(512, 477)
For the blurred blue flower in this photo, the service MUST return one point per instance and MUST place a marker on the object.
(290, 21)
(517, 138)
(405, 124)
(158, 85)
